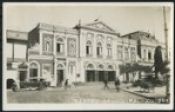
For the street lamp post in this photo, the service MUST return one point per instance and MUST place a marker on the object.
(167, 53)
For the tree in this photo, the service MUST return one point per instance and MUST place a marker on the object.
(165, 69)
(134, 68)
(158, 61)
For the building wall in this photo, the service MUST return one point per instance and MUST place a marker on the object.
(33, 37)
(95, 37)
(66, 59)
(72, 58)
(131, 46)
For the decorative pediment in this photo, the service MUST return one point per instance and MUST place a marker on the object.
(100, 26)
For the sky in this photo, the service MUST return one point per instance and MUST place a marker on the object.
(123, 19)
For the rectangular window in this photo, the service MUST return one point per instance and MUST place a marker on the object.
(58, 48)
(109, 52)
(87, 50)
(133, 54)
(90, 50)
(98, 51)
(144, 54)
(149, 56)
(120, 52)
(126, 53)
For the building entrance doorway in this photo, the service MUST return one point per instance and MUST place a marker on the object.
(111, 75)
(60, 77)
(101, 75)
(10, 83)
(90, 75)
(127, 77)
(22, 75)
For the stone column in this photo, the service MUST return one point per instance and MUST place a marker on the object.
(96, 75)
(94, 47)
(54, 44)
(41, 42)
(106, 75)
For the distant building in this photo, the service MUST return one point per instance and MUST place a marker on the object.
(16, 54)
(86, 53)
(146, 44)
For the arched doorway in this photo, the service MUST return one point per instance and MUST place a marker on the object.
(102, 73)
(90, 73)
(10, 83)
(111, 73)
(60, 74)
(34, 71)
(22, 72)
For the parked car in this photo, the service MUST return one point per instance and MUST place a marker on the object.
(37, 85)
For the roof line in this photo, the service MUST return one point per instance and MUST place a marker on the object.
(17, 31)
(95, 22)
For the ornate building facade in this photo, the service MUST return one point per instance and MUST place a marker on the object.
(86, 53)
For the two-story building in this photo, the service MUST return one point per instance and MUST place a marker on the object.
(86, 53)
(146, 44)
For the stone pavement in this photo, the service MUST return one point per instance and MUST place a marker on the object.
(90, 93)
(158, 92)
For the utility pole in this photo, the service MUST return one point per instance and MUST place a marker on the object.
(166, 33)
(167, 54)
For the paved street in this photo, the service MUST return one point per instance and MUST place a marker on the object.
(88, 93)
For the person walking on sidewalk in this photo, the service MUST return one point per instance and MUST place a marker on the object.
(117, 84)
(106, 84)
(66, 84)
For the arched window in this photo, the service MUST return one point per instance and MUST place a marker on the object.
(90, 66)
(60, 45)
(88, 48)
(110, 67)
(109, 50)
(99, 49)
(59, 66)
(101, 66)
(33, 71)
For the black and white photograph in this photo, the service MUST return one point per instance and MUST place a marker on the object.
(88, 56)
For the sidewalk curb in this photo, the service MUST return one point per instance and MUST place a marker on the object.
(148, 97)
